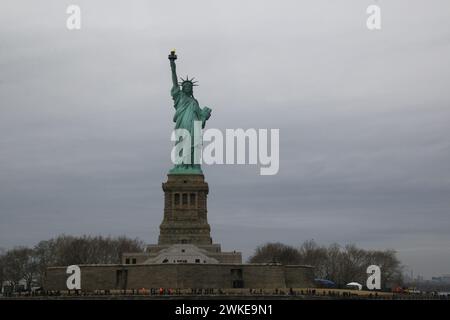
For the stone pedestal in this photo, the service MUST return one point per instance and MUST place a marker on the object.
(185, 211)
(185, 235)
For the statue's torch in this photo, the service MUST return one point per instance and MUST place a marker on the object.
(172, 55)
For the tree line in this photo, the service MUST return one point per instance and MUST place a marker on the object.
(340, 264)
(23, 264)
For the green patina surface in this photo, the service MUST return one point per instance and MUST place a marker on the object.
(187, 111)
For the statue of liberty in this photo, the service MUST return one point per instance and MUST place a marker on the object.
(187, 113)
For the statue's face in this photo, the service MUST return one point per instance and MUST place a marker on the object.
(187, 88)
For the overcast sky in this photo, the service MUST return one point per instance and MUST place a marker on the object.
(364, 119)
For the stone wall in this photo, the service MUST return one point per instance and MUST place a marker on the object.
(296, 277)
(106, 277)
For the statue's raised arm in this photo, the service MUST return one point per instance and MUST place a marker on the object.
(173, 67)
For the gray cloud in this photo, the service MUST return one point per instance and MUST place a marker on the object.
(364, 120)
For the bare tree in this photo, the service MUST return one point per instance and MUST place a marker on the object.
(19, 264)
(313, 254)
(391, 268)
(338, 264)
(276, 253)
(2, 270)
(45, 256)
(67, 250)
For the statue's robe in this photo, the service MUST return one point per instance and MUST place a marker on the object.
(187, 110)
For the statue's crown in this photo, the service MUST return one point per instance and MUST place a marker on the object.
(187, 80)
